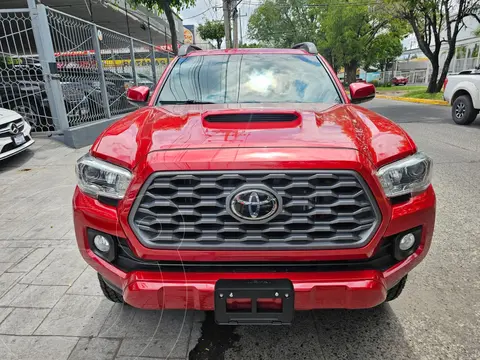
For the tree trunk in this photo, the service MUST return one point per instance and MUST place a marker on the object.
(351, 72)
(171, 23)
(219, 43)
(446, 66)
(432, 84)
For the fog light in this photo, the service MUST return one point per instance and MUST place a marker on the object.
(101, 243)
(406, 242)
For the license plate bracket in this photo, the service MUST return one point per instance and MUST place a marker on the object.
(228, 290)
(19, 139)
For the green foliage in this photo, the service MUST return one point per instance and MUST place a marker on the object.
(252, 45)
(421, 94)
(167, 7)
(212, 30)
(375, 83)
(282, 23)
(159, 5)
(385, 48)
(347, 34)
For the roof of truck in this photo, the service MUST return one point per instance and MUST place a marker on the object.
(248, 51)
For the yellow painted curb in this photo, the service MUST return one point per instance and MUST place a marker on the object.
(412, 100)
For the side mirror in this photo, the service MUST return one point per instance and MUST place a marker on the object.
(361, 92)
(138, 94)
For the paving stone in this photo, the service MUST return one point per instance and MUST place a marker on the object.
(15, 228)
(12, 255)
(53, 229)
(31, 260)
(23, 321)
(126, 321)
(36, 347)
(76, 315)
(95, 349)
(12, 294)
(86, 284)
(4, 266)
(55, 274)
(39, 296)
(4, 313)
(7, 281)
(166, 337)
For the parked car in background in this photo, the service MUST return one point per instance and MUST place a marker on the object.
(29, 98)
(142, 80)
(462, 91)
(22, 89)
(14, 133)
(399, 80)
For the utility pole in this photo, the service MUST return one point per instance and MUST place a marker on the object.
(235, 27)
(240, 26)
(226, 21)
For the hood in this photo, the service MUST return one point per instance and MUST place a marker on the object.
(7, 116)
(177, 127)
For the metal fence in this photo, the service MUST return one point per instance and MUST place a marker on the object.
(458, 65)
(21, 83)
(60, 71)
(414, 77)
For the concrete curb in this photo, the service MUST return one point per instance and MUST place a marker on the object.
(412, 100)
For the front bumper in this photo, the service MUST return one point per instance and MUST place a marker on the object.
(7, 147)
(313, 290)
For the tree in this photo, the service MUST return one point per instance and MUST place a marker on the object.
(345, 33)
(167, 7)
(385, 49)
(282, 23)
(434, 23)
(353, 33)
(212, 30)
(252, 45)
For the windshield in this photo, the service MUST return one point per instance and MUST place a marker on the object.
(251, 78)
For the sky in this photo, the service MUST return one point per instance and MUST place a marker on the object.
(212, 10)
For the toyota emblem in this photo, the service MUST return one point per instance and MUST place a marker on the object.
(13, 129)
(254, 204)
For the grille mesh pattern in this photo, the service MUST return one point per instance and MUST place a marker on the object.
(320, 210)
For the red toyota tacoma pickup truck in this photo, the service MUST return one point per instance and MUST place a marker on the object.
(252, 185)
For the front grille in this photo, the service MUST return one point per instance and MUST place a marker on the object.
(321, 210)
(4, 128)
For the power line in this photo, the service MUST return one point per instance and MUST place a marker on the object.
(191, 17)
(346, 4)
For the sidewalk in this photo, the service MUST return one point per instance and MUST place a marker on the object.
(51, 306)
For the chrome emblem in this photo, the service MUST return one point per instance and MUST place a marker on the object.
(13, 129)
(254, 204)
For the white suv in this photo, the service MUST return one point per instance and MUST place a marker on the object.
(14, 133)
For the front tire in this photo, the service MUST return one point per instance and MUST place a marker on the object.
(109, 293)
(395, 292)
(463, 112)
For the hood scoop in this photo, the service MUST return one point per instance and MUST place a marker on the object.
(259, 119)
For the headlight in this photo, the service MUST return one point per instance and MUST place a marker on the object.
(409, 175)
(100, 178)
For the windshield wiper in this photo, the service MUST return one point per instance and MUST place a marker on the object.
(189, 101)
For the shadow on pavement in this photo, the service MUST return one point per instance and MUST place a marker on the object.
(327, 334)
(16, 161)
(362, 334)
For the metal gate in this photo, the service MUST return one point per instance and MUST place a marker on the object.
(60, 71)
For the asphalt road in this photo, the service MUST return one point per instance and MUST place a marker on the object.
(438, 314)
(51, 307)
